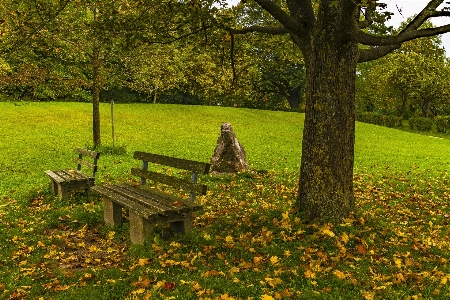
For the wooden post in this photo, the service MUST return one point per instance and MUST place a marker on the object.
(80, 156)
(194, 180)
(112, 121)
(144, 167)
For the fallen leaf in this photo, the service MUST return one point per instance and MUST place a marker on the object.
(178, 203)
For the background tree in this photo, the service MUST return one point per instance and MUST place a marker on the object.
(411, 79)
(266, 75)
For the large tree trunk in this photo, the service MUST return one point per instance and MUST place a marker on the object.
(326, 173)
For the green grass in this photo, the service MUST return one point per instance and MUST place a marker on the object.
(246, 243)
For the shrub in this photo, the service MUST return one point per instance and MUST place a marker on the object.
(420, 124)
(442, 123)
(377, 119)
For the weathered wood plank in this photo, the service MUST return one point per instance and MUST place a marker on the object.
(90, 153)
(70, 175)
(126, 203)
(172, 181)
(54, 176)
(132, 195)
(179, 163)
(168, 199)
(85, 163)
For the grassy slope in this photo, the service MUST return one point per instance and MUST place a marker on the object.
(246, 244)
(39, 136)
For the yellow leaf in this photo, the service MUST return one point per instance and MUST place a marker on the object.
(287, 253)
(339, 274)
(159, 284)
(344, 238)
(61, 288)
(274, 260)
(347, 222)
(236, 280)
(229, 239)
(139, 291)
(143, 261)
(110, 235)
(175, 245)
(310, 274)
(398, 262)
(368, 295)
(273, 281)
(257, 260)
(328, 232)
(197, 286)
(266, 297)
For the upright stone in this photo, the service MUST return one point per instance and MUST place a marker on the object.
(229, 155)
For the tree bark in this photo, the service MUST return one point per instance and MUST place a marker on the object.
(326, 173)
(294, 98)
(96, 89)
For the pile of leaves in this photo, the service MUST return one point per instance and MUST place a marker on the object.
(248, 243)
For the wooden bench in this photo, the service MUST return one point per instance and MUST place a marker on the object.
(148, 206)
(64, 181)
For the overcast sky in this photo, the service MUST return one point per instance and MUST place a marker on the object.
(403, 9)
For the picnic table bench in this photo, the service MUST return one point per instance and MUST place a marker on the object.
(147, 205)
(64, 181)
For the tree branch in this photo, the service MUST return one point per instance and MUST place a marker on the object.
(280, 15)
(441, 13)
(368, 39)
(410, 31)
(260, 29)
(375, 52)
(303, 11)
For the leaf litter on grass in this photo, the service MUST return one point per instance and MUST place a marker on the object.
(248, 244)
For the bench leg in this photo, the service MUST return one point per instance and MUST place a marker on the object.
(62, 191)
(54, 186)
(183, 226)
(140, 228)
(112, 212)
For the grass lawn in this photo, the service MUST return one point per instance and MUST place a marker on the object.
(246, 243)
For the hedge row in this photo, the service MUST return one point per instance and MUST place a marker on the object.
(377, 119)
(442, 123)
(426, 124)
(420, 124)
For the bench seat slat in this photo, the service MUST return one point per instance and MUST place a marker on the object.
(135, 196)
(54, 176)
(172, 181)
(126, 203)
(168, 199)
(179, 163)
(68, 176)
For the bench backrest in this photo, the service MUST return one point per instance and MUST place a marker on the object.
(81, 161)
(193, 166)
